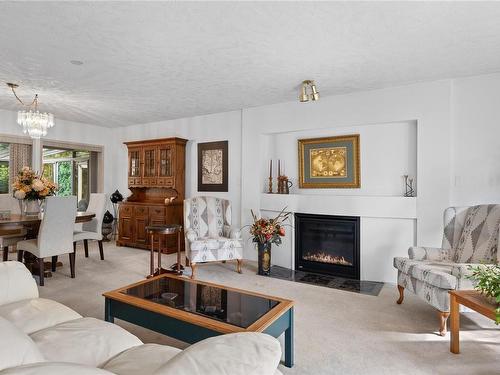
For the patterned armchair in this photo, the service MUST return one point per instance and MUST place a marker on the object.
(470, 238)
(208, 232)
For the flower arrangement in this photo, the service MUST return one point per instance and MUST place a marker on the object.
(29, 186)
(487, 281)
(266, 230)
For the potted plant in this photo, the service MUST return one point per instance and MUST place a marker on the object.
(266, 232)
(486, 279)
(32, 189)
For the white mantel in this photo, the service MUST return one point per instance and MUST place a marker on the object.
(345, 205)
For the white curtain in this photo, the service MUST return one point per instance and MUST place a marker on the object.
(20, 156)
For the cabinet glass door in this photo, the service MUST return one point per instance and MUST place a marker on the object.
(166, 162)
(135, 163)
(149, 162)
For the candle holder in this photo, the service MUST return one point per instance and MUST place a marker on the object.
(409, 190)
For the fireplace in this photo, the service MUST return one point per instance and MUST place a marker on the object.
(327, 244)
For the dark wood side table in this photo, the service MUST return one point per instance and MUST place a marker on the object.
(471, 299)
(161, 231)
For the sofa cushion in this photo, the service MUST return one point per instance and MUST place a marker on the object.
(32, 315)
(434, 273)
(132, 361)
(16, 282)
(16, 347)
(87, 341)
(204, 244)
(54, 368)
(248, 353)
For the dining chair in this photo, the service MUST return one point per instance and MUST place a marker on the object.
(55, 235)
(92, 230)
(15, 233)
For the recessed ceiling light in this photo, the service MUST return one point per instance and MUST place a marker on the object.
(76, 62)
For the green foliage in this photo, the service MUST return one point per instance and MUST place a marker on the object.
(487, 278)
(64, 179)
(4, 177)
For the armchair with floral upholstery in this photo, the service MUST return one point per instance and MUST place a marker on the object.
(208, 232)
(470, 238)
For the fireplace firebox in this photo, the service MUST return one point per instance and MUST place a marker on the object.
(327, 244)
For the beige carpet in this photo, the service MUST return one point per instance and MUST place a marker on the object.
(336, 332)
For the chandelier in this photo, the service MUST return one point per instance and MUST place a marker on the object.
(34, 122)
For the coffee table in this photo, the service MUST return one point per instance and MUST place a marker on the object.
(193, 310)
(473, 300)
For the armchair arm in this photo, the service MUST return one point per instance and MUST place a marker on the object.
(232, 232)
(191, 235)
(247, 353)
(428, 253)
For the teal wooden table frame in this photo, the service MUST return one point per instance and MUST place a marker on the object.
(191, 328)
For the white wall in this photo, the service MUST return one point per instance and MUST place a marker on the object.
(217, 127)
(475, 139)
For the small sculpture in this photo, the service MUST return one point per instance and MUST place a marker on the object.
(409, 190)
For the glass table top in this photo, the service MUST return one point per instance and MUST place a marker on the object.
(228, 306)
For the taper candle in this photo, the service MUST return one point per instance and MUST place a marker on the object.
(279, 168)
(271, 168)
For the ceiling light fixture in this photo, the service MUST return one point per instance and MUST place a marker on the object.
(304, 96)
(34, 122)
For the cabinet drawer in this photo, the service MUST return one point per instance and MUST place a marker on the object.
(149, 181)
(126, 210)
(157, 212)
(141, 211)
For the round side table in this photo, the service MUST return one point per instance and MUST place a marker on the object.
(162, 231)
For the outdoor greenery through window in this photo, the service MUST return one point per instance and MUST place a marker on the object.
(70, 170)
(4, 168)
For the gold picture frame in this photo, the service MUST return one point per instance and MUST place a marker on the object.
(330, 162)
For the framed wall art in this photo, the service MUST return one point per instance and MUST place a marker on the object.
(331, 162)
(213, 167)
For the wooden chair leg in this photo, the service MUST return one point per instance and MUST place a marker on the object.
(20, 254)
(443, 317)
(41, 270)
(193, 270)
(401, 295)
(101, 250)
(240, 262)
(5, 253)
(54, 263)
(72, 264)
(86, 246)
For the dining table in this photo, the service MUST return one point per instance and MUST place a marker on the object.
(12, 224)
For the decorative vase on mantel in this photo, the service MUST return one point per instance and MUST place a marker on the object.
(31, 207)
(264, 258)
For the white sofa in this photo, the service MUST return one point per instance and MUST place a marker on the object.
(41, 336)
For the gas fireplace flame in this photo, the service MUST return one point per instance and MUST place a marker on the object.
(322, 257)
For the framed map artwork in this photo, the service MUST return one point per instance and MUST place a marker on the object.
(331, 162)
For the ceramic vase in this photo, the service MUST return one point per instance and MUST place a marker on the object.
(264, 258)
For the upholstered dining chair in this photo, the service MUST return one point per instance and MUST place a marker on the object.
(92, 230)
(208, 232)
(470, 238)
(15, 233)
(55, 236)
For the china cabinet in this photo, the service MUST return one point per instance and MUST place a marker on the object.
(156, 178)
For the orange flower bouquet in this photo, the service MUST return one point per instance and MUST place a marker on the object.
(30, 186)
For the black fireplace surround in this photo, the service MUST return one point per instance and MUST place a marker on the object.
(327, 244)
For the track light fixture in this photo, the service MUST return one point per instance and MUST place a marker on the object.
(304, 96)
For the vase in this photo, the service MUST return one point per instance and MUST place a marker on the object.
(31, 207)
(264, 258)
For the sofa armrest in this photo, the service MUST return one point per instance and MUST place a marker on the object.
(191, 235)
(17, 283)
(428, 253)
(248, 353)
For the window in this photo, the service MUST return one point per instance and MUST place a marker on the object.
(70, 170)
(4, 168)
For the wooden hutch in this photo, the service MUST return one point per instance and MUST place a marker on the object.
(156, 178)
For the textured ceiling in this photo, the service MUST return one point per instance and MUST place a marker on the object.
(147, 62)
